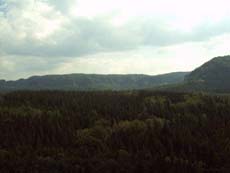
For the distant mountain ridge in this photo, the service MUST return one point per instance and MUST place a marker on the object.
(92, 82)
(212, 76)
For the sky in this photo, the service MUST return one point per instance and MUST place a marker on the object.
(39, 37)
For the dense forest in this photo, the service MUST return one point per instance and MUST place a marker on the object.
(114, 132)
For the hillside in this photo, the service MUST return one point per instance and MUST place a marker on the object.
(213, 75)
(92, 82)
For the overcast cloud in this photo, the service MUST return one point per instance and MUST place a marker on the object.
(107, 36)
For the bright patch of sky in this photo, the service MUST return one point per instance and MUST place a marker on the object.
(107, 36)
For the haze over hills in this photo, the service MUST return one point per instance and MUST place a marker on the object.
(92, 82)
(211, 76)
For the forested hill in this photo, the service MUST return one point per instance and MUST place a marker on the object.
(213, 75)
(92, 82)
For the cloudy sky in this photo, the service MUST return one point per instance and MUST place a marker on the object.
(110, 36)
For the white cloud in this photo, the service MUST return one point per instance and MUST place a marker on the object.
(107, 36)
